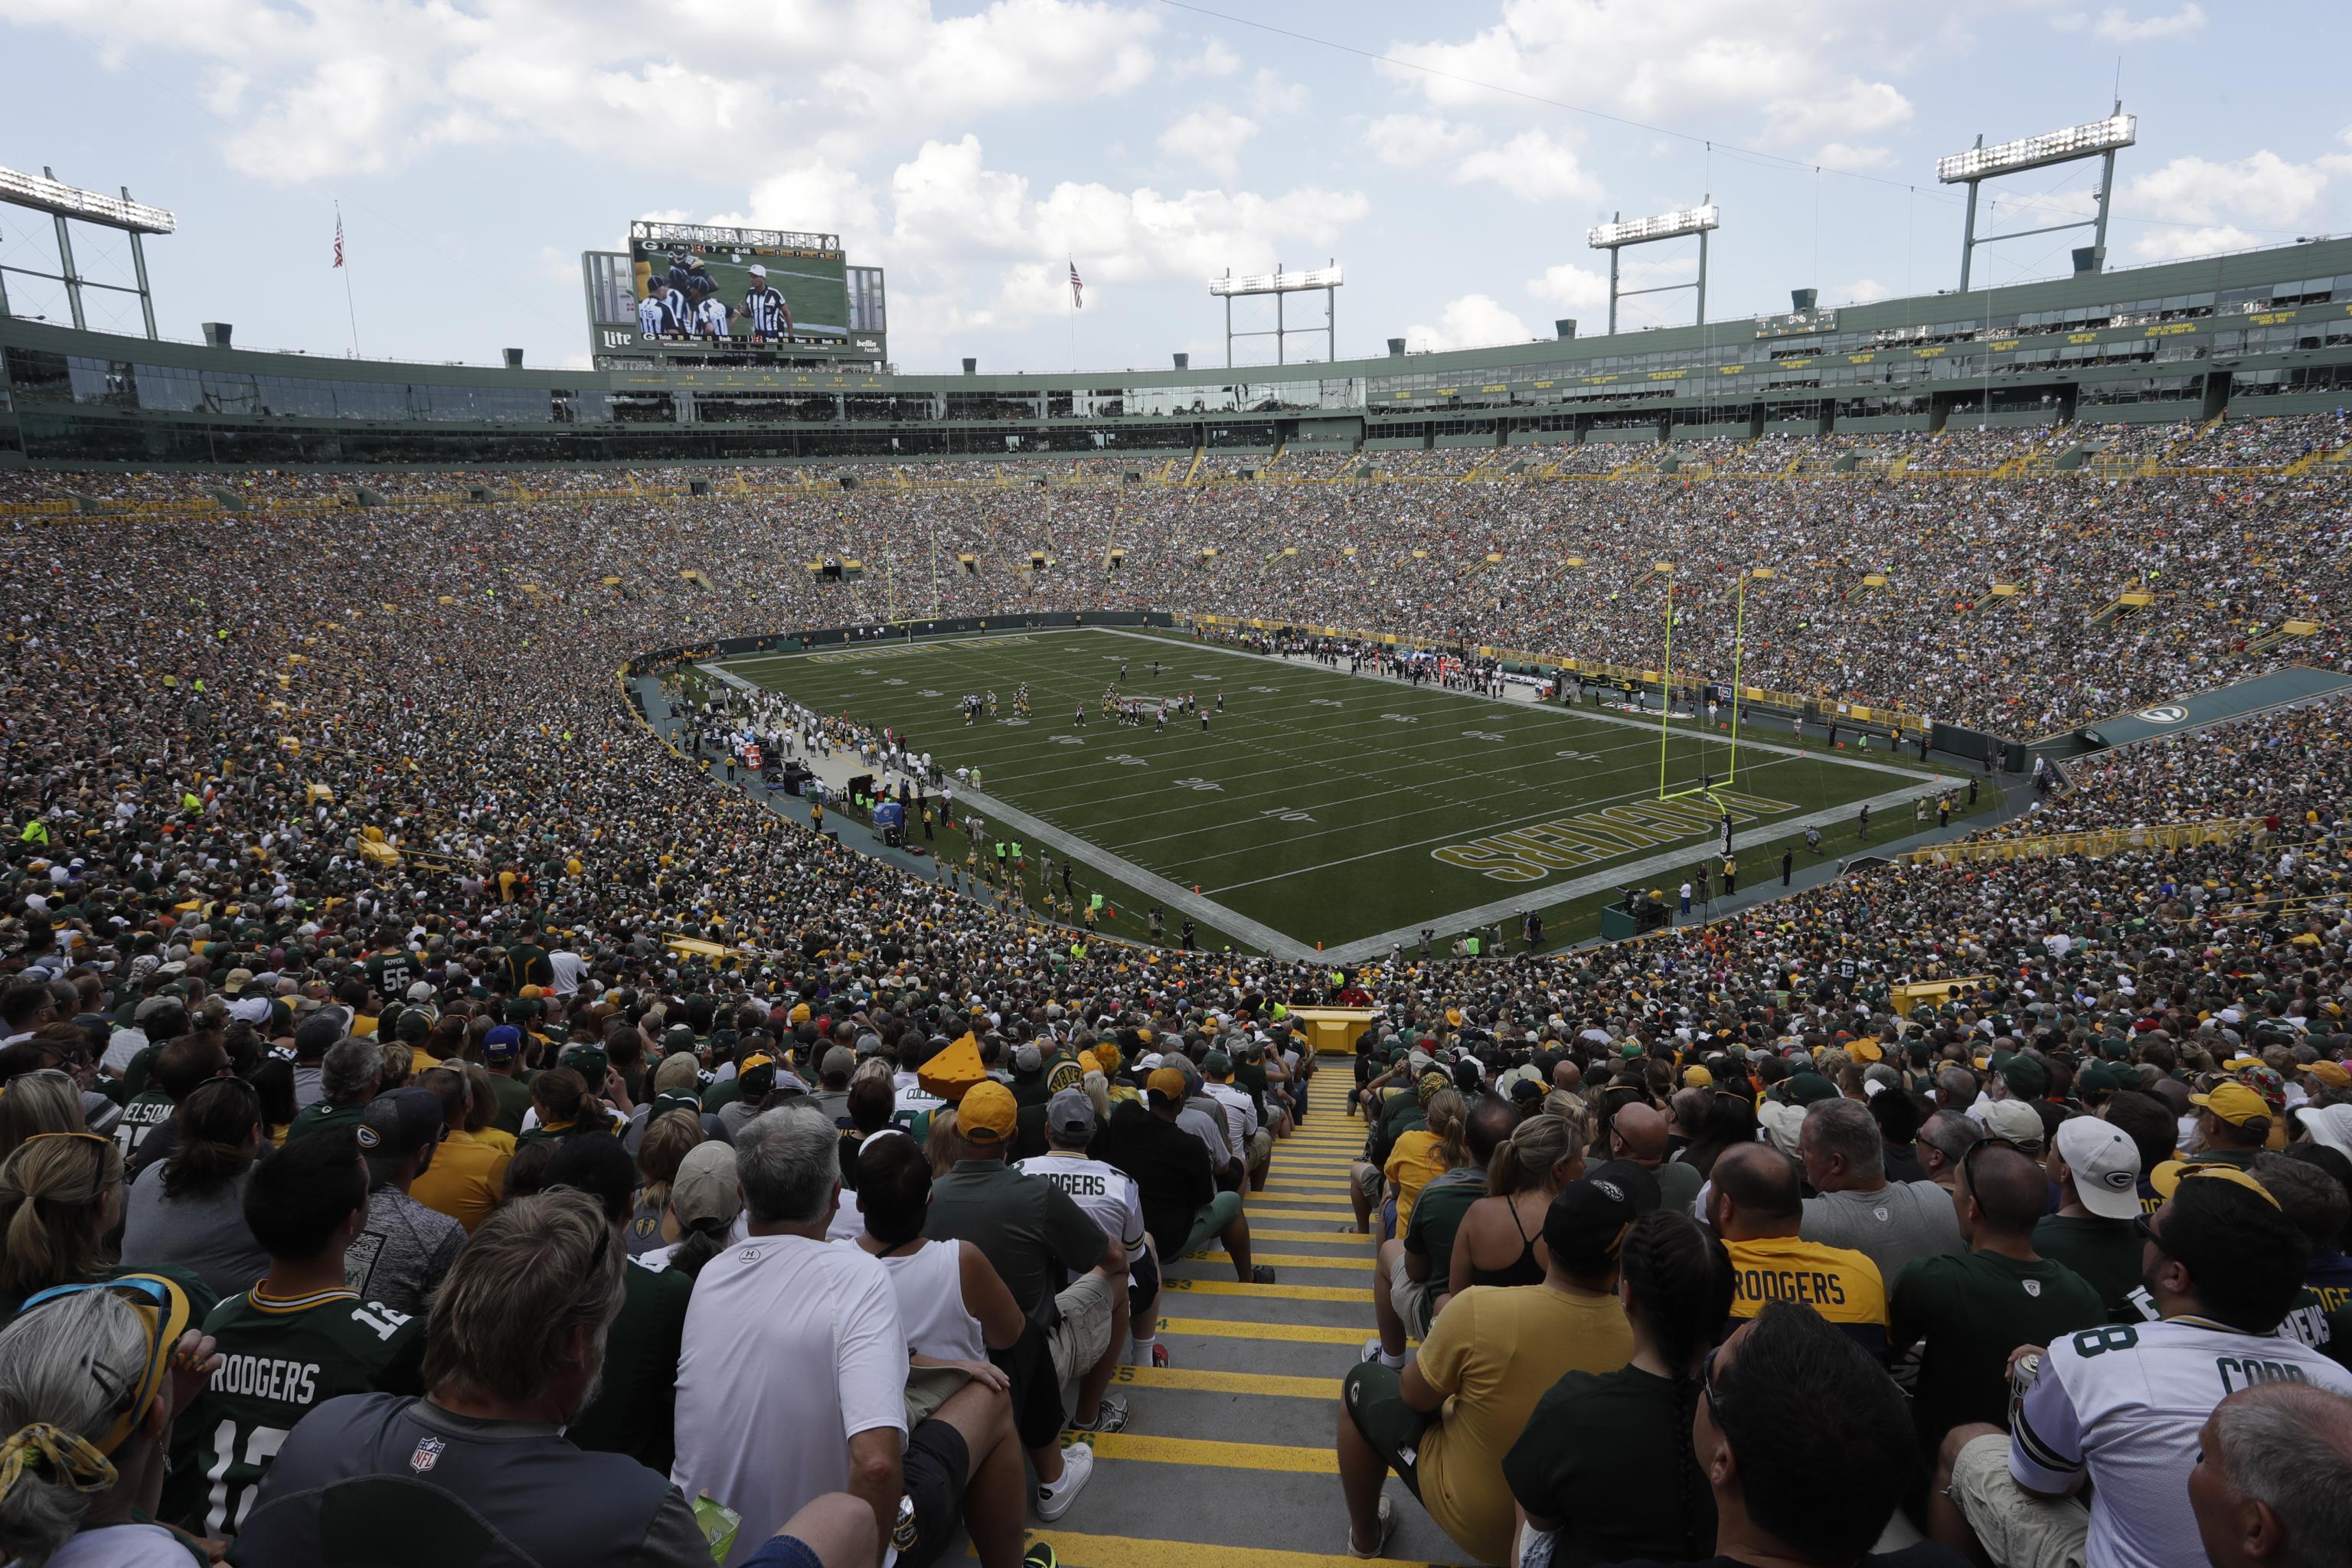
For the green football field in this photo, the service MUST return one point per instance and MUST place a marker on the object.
(1322, 807)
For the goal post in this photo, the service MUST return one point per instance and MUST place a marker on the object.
(1708, 783)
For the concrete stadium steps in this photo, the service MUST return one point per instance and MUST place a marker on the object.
(1227, 1460)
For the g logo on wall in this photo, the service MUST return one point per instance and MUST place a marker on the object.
(2168, 713)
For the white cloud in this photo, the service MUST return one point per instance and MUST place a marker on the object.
(1271, 96)
(1216, 59)
(1211, 138)
(321, 88)
(2117, 26)
(2195, 190)
(1857, 109)
(1838, 155)
(2173, 244)
(1532, 167)
(1413, 140)
(1715, 60)
(1576, 288)
(1474, 320)
(1861, 291)
(976, 248)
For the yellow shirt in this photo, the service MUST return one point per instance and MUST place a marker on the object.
(1840, 1284)
(466, 1181)
(1411, 1164)
(1494, 1352)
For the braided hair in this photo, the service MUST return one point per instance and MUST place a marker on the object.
(1678, 1289)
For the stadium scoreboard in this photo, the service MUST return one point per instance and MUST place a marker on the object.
(703, 294)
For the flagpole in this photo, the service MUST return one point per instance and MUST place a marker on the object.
(345, 265)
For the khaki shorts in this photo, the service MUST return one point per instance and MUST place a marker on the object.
(1411, 1299)
(1261, 1149)
(2018, 1529)
(928, 1388)
(1368, 1180)
(1079, 1339)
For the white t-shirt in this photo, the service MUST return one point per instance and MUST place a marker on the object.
(122, 1546)
(1108, 1194)
(759, 1427)
(2126, 1402)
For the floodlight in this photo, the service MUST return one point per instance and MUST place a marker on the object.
(2033, 152)
(1279, 283)
(20, 189)
(1666, 225)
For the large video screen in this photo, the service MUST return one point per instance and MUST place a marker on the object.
(701, 289)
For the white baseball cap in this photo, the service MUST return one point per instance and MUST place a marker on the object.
(757, 271)
(2106, 1166)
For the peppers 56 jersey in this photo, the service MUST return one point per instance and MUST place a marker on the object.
(280, 1359)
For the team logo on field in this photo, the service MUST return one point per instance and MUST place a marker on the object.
(428, 1454)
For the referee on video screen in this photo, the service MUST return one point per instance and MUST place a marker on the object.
(770, 318)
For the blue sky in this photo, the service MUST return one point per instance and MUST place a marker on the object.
(479, 146)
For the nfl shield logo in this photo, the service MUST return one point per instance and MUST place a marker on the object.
(427, 1454)
(2033, 1286)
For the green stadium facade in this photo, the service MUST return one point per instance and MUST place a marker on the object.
(2260, 331)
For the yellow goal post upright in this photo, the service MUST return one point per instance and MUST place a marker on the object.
(1710, 785)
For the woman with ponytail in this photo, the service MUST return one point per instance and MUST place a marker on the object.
(1501, 1238)
(1425, 1154)
(1605, 1463)
(190, 1210)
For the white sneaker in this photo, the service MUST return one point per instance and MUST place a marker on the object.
(1054, 1500)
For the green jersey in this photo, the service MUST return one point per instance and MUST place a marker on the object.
(391, 973)
(280, 1361)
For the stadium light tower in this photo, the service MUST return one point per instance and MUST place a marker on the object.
(46, 193)
(2101, 139)
(1617, 234)
(1280, 283)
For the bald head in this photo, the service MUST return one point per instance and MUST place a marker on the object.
(1640, 1134)
(2009, 1188)
(1566, 1076)
(1757, 1193)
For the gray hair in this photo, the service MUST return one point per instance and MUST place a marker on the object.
(789, 1161)
(1846, 1127)
(350, 1070)
(1956, 1083)
(1880, 1073)
(61, 1364)
(1951, 1134)
(2289, 1446)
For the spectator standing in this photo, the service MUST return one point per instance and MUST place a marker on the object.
(634, 1408)
(467, 1174)
(347, 1081)
(402, 1253)
(192, 1212)
(303, 1207)
(792, 1379)
(513, 1351)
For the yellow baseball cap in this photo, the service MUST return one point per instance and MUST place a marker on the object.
(2166, 1178)
(988, 1112)
(2232, 1102)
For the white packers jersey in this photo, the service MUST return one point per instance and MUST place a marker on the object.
(2124, 1402)
(1108, 1194)
(910, 1102)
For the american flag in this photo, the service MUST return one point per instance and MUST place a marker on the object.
(1077, 299)
(339, 239)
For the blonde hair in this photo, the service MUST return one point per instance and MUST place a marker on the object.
(1524, 1162)
(1448, 1118)
(939, 1145)
(46, 1100)
(536, 1269)
(53, 1192)
(482, 1095)
(668, 1142)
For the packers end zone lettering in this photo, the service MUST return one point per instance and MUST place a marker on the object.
(1531, 854)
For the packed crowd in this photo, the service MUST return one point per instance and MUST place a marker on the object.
(211, 752)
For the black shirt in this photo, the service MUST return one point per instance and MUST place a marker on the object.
(1608, 1455)
(1171, 1168)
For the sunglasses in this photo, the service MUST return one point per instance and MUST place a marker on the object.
(2146, 1229)
(164, 1312)
(1706, 1384)
(1968, 1161)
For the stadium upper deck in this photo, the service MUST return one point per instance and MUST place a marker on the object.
(2265, 331)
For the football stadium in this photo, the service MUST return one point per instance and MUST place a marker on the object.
(1717, 942)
